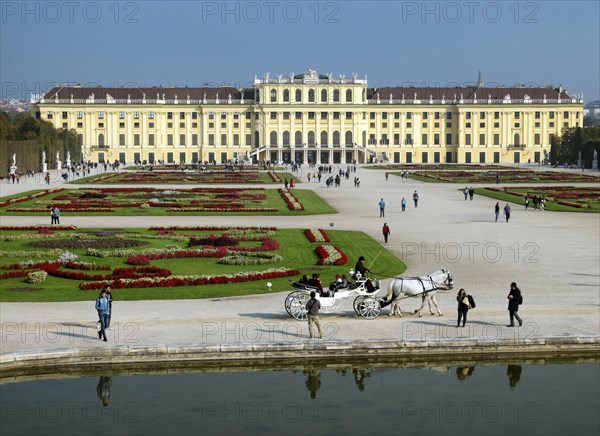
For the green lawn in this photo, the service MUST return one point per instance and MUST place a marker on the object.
(297, 251)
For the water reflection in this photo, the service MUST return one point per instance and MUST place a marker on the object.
(514, 375)
(313, 382)
(464, 372)
(103, 389)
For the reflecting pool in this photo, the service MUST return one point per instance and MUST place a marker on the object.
(545, 397)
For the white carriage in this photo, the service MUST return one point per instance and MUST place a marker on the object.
(365, 304)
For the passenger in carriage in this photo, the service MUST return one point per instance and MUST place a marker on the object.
(363, 270)
(316, 282)
(333, 285)
(304, 280)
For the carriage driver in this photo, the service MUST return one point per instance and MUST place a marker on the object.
(363, 270)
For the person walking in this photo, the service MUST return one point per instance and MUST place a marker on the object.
(463, 307)
(381, 208)
(507, 212)
(312, 307)
(387, 175)
(466, 192)
(403, 203)
(386, 232)
(47, 178)
(55, 215)
(103, 308)
(497, 210)
(471, 193)
(526, 202)
(515, 299)
(285, 182)
(416, 198)
(291, 183)
(110, 302)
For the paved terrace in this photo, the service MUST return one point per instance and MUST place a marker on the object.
(554, 257)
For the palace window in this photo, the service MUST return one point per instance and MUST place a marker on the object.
(311, 115)
(323, 96)
(121, 125)
(286, 115)
(273, 115)
(424, 139)
(496, 139)
(482, 115)
(150, 115)
(566, 115)
(436, 115)
(323, 115)
(482, 139)
(336, 95)
(182, 115)
(538, 115)
(536, 139)
(79, 125)
(223, 115)
(194, 115)
(468, 139)
(169, 115)
(298, 115)
(136, 139)
(468, 115)
(551, 115)
(286, 95)
(409, 115)
(100, 115)
(424, 115)
(396, 115)
(170, 139)
(121, 115)
(517, 115)
(496, 115)
(311, 95)
(136, 125)
(436, 139)
(121, 138)
(448, 115)
(136, 115)
(182, 139)
(273, 96)
(372, 115)
(49, 115)
(223, 139)
(211, 139)
(211, 115)
(336, 115)
(348, 96)
(298, 95)
(223, 125)
(348, 115)
(151, 139)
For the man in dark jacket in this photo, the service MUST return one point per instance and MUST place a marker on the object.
(514, 300)
(363, 270)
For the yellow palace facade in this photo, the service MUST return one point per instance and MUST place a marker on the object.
(312, 118)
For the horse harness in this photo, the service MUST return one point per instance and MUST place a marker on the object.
(434, 286)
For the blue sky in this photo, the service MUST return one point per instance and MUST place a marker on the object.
(150, 43)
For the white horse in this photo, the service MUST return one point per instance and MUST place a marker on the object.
(424, 286)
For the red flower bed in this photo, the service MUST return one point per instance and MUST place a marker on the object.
(311, 237)
(182, 254)
(13, 274)
(324, 256)
(180, 281)
(212, 228)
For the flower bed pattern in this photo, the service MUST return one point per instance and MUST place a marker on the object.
(505, 176)
(292, 202)
(330, 255)
(131, 200)
(570, 196)
(316, 235)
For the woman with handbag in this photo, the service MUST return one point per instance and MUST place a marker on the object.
(463, 307)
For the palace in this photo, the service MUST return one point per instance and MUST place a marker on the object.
(313, 118)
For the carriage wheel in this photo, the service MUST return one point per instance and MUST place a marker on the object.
(357, 301)
(369, 308)
(288, 301)
(298, 307)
